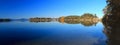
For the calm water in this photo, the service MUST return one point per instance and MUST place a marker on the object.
(51, 33)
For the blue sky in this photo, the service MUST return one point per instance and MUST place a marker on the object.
(49, 8)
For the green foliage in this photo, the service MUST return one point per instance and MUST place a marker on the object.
(86, 19)
(84, 16)
(88, 16)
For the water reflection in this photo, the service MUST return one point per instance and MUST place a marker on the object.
(112, 32)
(66, 21)
(5, 20)
(51, 33)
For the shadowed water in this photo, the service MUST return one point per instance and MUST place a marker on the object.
(50, 33)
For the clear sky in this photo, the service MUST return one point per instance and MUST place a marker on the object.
(49, 8)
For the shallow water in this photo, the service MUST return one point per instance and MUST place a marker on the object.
(50, 33)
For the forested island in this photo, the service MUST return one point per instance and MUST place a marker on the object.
(36, 19)
(86, 19)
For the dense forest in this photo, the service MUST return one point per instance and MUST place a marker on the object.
(84, 16)
(112, 12)
(111, 21)
(86, 19)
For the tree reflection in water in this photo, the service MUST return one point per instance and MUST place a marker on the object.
(112, 32)
(67, 21)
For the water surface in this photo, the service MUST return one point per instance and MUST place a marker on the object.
(50, 33)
